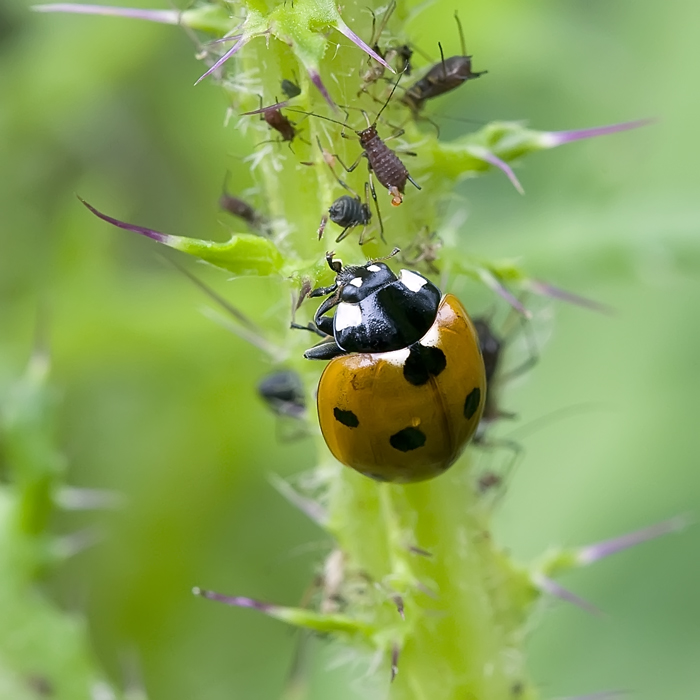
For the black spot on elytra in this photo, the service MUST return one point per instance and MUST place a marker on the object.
(422, 362)
(471, 403)
(347, 418)
(407, 439)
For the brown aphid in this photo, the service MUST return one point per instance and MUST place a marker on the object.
(241, 209)
(383, 162)
(281, 124)
(276, 120)
(444, 76)
(403, 53)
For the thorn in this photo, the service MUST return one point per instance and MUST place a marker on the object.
(551, 587)
(592, 553)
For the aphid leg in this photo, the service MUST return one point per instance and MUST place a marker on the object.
(349, 169)
(395, 135)
(330, 158)
(344, 233)
(529, 362)
(376, 205)
(362, 240)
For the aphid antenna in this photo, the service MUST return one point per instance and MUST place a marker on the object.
(318, 116)
(556, 416)
(214, 296)
(244, 328)
(388, 99)
(269, 108)
(394, 252)
(382, 26)
(461, 34)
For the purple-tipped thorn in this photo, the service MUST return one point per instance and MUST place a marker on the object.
(316, 80)
(155, 235)
(233, 50)
(594, 552)
(395, 651)
(161, 16)
(551, 139)
(346, 31)
(237, 601)
(549, 290)
(501, 165)
(492, 282)
(398, 602)
(547, 585)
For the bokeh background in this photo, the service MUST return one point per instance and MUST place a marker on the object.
(159, 402)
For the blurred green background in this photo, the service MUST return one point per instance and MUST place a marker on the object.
(159, 403)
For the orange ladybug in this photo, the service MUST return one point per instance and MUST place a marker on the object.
(405, 388)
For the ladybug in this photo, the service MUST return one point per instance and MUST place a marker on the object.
(405, 387)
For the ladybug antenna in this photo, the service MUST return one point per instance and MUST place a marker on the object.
(335, 265)
(394, 252)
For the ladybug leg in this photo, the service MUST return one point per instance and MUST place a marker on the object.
(324, 351)
(325, 325)
(323, 291)
(326, 306)
(308, 327)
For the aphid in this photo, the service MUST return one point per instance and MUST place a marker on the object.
(347, 211)
(290, 89)
(283, 392)
(423, 251)
(443, 77)
(405, 387)
(375, 71)
(237, 207)
(276, 120)
(381, 160)
(492, 346)
(281, 124)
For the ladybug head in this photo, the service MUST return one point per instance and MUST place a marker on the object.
(355, 282)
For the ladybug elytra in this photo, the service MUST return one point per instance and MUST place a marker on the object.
(405, 387)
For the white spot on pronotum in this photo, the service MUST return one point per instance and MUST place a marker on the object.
(356, 282)
(347, 316)
(374, 268)
(396, 357)
(432, 337)
(411, 280)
